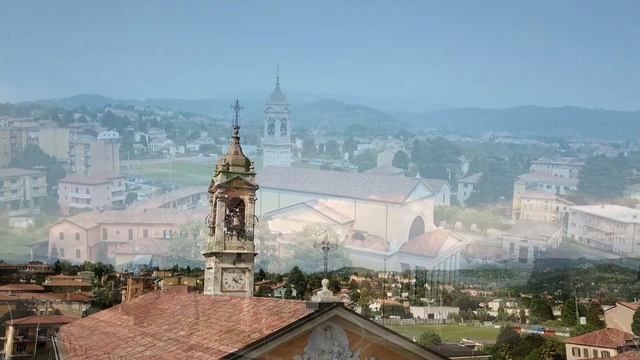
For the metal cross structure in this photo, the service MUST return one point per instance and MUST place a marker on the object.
(325, 245)
(236, 117)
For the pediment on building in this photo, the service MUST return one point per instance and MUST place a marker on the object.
(237, 181)
(335, 333)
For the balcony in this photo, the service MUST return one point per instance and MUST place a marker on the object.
(80, 195)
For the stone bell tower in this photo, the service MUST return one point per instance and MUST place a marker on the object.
(230, 250)
(276, 142)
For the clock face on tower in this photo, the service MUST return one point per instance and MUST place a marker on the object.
(233, 280)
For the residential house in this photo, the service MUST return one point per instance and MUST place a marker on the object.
(90, 192)
(45, 303)
(603, 343)
(467, 186)
(611, 228)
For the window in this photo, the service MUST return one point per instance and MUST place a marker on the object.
(77, 253)
(61, 236)
(21, 348)
(77, 235)
(61, 252)
(130, 234)
(76, 189)
(604, 354)
(105, 234)
(166, 234)
(575, 351)
(145, 233)
(87, 191)
(595, 353)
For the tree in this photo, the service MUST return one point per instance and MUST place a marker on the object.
(594, 315)
(350, 145)
(332, 149)
(569, 313)
(436, 158)
(522, 314)
(429, 338)
(540, 311)
(552, 350)
(401, 160)
(507, 336)
(635, 323)
(189, 242)
(604, 178)
(365, 160)
(131, 198)
(298, 280)
(495, 184)
(309, 147)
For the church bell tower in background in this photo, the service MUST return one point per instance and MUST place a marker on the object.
(276, 141)
(230, 252)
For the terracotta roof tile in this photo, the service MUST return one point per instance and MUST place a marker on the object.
(428, 244)
(21, 287)
(41, 320)
(609, 338)
(166, 325)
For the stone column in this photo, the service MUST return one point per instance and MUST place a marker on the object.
(221, 209)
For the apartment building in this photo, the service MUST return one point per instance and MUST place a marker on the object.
(54, 141)
(610, 228)
(91, 156)
(13, 140)
(563, 167)
(21, 190)
(90, 192)
(539, 205)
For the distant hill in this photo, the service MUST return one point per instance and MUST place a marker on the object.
(536, 120)
(337, 117)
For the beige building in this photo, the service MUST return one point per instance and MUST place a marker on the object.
(96, 236)
(90, 156)
(621, 315)
(90, 192)
(21, 190)
(610, 228)
(603, 343)
(539, 205)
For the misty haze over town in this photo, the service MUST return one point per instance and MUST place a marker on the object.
(319, 180)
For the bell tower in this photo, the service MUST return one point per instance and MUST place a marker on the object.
(230, 252)
(276, 141)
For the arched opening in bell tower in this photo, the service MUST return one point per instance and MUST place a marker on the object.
(234, 219)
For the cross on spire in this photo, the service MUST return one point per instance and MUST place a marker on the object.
(325, 245)
(236, 117)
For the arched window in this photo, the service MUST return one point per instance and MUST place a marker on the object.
(417, 227)
(234, 217)
(283, 127)
(271, 127)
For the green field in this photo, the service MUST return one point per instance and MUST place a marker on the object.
(450, 333)
(175, 172)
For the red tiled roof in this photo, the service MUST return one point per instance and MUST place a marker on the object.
(21, 287)
(41, 320)
(362, 240)
(21, 296)
(166, 325)
(627, 355)
(427, 244)
(609, 338)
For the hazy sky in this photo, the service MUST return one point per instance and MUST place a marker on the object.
(467, 53)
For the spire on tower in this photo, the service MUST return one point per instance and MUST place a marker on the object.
(236, 116)
(277, 73)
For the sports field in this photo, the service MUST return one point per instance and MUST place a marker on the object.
(450, 333)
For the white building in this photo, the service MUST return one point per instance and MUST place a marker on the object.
(564, 167)
(466, 187)
(610, 228)
(438, 313)
(108, 135)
